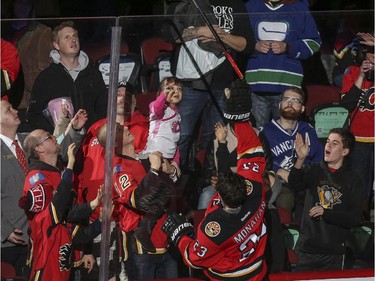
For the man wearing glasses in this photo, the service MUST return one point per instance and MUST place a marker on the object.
(14, 167)
(48, 201)
(281, 134)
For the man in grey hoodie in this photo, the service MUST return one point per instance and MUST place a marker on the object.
(69, 76)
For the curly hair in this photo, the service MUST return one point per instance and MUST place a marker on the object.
(232, 189)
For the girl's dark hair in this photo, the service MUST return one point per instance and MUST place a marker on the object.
(167, 81)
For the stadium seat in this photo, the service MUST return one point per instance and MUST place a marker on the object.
(155, 55)
(320, 94)
(143, 102)
(129, 68)
(285, 216)
(8, 273)
(328, 116)
(291, 235)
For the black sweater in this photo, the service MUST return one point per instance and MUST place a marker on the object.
(87, 92)
(339, 193)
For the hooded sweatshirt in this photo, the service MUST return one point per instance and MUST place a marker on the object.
(84, 85)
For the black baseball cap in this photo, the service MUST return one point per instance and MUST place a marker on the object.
(129, 87)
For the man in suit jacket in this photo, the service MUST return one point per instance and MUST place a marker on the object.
(14, 223)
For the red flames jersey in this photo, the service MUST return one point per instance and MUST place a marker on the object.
(92, 153)
(50, 249)
(128, 175)
(362, 117)
(231, 246)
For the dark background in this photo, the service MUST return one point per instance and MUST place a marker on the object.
(91, 8)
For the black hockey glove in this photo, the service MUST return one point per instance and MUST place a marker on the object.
(238, 106)
(153, 193)
(177, 226)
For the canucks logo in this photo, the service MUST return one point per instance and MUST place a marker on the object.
(212, 229)
(328, 196)
(287, 163)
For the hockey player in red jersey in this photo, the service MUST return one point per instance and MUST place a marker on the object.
(231, 240)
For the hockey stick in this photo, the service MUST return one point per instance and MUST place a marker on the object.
(226, 53)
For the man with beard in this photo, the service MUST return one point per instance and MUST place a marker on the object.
(281, 134)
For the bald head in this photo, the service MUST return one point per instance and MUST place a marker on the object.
(30, 142)
(40, 144)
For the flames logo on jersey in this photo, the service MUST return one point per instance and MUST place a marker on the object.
(65, 257)
(212, 229)
(328, 196)
(175, 128)
(249, 187)
(367, 100)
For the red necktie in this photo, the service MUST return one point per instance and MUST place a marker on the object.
(20, 156)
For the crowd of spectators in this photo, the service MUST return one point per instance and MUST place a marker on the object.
(53, 166)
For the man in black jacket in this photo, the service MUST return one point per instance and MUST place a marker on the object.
(69, 76)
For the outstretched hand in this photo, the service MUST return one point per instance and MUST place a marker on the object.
(367, 38)
(71, 156)
(64, 111)
(95, 203)
(79, 119)
(302, 148)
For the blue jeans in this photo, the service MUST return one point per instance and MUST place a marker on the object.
(197, 104)
(265, 107)
(151, 266)
(205, 197)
